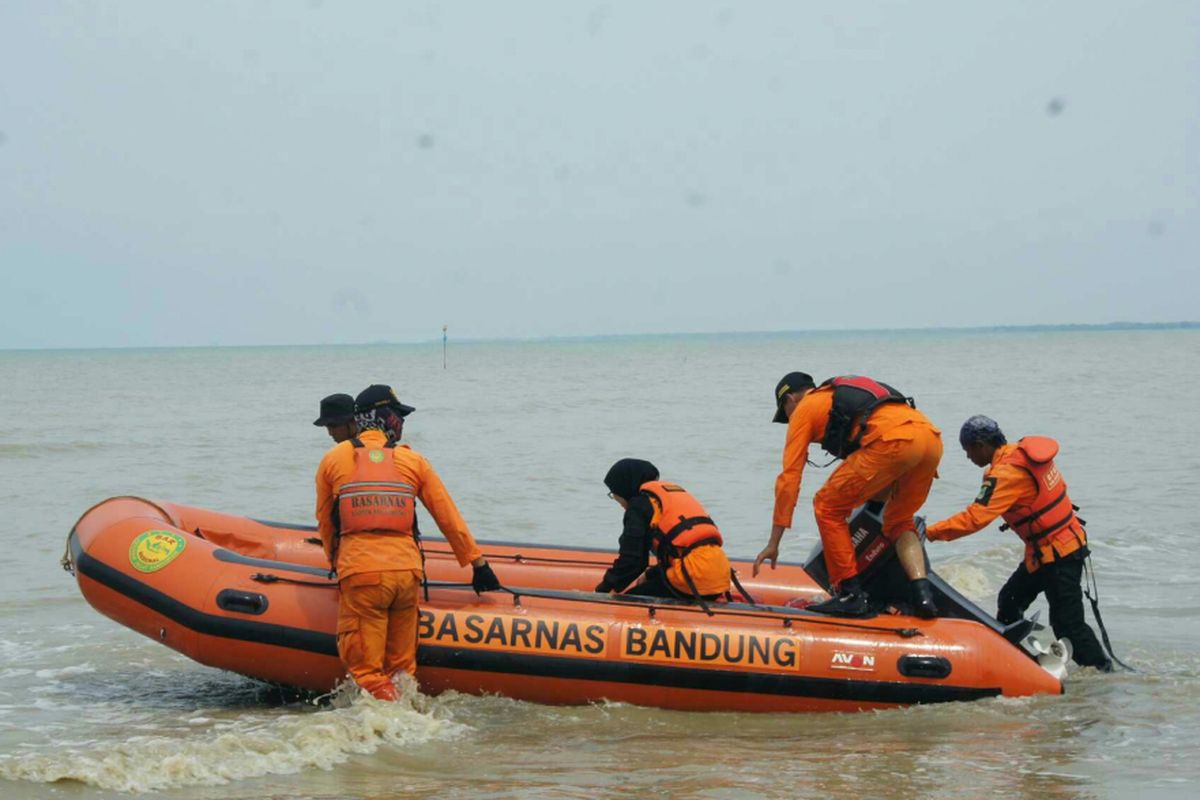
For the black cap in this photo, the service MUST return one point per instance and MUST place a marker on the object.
(380, 395)
(792, 382)
(337, 409)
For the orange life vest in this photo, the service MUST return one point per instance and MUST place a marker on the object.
(682, 524)
(1047, 524)
(374, 500)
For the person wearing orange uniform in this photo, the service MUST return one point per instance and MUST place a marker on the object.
(664, 519)
(890, 449)
(1022, 484)
(366, 488)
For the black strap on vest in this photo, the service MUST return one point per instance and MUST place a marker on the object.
(668, 551)
(687, 576)
(1037, 514)
(705, 542)
(686, 524)
(745, 595)
(421, 550)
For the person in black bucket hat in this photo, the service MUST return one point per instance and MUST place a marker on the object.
(337, 415)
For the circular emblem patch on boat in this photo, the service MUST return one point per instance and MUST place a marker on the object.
(376, 456)
(153, 550)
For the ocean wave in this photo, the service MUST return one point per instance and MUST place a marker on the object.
(74, 669)
(242, 749)
(25, 450)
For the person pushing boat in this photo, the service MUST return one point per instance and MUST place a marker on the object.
(889, 448)
(366, 489)
(1022, 484)
(665, 519)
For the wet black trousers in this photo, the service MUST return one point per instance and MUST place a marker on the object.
(1060, 580)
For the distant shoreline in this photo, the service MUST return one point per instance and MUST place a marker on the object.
(603, 337)
(1106, 326)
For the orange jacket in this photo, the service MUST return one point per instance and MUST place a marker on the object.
(1015, 486)
(679, 523)
(370, 552)
(807, 425)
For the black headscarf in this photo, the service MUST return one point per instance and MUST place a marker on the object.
(381, 419)
(626, 477)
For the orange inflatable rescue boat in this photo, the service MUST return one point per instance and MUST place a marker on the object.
(256, 598)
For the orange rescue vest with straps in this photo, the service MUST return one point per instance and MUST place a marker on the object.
(682, 524)
(374, 499)
(1047, 524)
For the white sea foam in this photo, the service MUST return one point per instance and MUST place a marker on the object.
(969, 579)
(74, 669)
(250, 748)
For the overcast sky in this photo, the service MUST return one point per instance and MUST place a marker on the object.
(310, 172)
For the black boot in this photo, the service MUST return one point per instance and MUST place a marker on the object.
(922, 598)
(850, 601)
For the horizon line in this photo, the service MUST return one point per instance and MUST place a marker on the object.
(1080, 326)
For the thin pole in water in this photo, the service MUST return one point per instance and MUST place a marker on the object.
(444, 346)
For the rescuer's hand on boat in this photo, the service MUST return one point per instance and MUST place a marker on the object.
(771, 551)
(482, 578)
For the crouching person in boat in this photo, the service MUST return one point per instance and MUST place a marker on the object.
(1022, 485)
(366, 488)
(889, 448)
(664, 519)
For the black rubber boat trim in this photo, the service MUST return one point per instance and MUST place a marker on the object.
(608, 551)
(231, 557)
(526, 664)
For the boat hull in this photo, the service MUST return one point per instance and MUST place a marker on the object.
(268, 610)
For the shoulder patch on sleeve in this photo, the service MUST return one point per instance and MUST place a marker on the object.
(985, 491)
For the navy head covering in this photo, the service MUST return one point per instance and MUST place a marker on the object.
(981, 429)
(626, 477)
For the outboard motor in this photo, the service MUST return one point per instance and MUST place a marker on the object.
(878, 567)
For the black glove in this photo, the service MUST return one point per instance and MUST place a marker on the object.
(484, 580)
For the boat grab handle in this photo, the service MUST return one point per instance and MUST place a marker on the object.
(242, 602)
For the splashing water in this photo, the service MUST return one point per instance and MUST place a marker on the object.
(251, 746)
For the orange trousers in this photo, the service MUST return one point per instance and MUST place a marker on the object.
(377, 627)
(709, 568)
(900, 466)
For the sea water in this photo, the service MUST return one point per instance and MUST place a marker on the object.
(522, 433)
